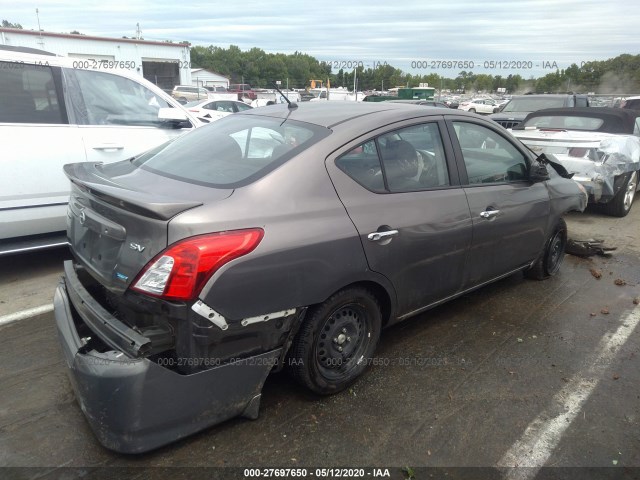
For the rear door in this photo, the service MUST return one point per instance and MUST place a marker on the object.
(37, 140)
(414, 232)
(508, 212)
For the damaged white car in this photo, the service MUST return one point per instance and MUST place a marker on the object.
(599, 146)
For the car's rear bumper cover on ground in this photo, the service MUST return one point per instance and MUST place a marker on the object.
(134, 405)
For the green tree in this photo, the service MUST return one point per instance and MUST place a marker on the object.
(8, 24)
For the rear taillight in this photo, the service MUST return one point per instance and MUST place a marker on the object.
(578, 152)
(180, 272)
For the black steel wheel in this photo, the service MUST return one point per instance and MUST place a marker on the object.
(551, 259)
(336, 341)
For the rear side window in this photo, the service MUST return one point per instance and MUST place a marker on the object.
(28, 94)
(101, 98)
(406, 160)
(363, 165)
(231, 152)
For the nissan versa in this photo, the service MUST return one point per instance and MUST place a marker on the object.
(285, 235)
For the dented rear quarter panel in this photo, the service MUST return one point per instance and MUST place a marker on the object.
(310, 247)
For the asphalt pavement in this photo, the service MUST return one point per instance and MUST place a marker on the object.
(519, 373)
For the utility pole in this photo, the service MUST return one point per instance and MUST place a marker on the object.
(40, 40)
(138, 31)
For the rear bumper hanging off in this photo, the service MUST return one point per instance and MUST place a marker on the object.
(134, 404)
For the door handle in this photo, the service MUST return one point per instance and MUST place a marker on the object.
(377, 236)
(489, 214)
(108, 146)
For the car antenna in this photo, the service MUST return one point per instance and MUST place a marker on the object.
(291, 105)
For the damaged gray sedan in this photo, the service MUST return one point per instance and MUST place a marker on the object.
(286, 236)
(599, 146)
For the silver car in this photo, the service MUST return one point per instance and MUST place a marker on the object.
(285, 236)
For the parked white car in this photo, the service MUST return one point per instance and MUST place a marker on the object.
(479, 105)
(210, 110)
(53, 113)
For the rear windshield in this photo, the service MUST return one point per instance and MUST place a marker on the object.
(533, 104)
(568, 122)
(231, 152)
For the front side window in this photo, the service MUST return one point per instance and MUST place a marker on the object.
(242, 107)
(225, 107)
(101, 98)
(488, 156)
(28, 94)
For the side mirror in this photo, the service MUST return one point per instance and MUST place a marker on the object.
(538, 172)
(174, 118)
(172, 115)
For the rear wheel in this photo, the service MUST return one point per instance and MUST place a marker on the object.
(338, 336)
(549, 262)
(620, 205)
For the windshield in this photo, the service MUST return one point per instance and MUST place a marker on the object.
(231, 152)
(533, 104)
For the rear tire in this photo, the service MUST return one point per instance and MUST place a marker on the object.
(549, 262)
(620, 205)
(335, 341)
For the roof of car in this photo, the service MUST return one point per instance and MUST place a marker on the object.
(547, 95)
(616, 120)
(329, 114)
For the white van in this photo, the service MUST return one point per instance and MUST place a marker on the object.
(53, 113)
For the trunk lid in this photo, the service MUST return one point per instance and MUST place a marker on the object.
(118, 217)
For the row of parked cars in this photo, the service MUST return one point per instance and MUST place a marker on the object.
(286, 236)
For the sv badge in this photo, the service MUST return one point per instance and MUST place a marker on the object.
(136, 246)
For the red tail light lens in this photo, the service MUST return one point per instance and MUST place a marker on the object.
(180, 272)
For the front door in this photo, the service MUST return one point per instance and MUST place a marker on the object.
(509, 213)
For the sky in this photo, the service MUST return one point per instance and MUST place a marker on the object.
(525, 37)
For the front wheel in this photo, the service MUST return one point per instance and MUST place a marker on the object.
(336, 341)
(620, 205)
(549, 262)
(472, 110)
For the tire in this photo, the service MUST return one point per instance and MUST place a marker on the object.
(549, 262)
(495, 110)
(620, 205)
(472, 110)
(182, 100)
(338, 336)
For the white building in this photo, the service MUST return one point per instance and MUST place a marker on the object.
(206, 78)
(163, 63)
